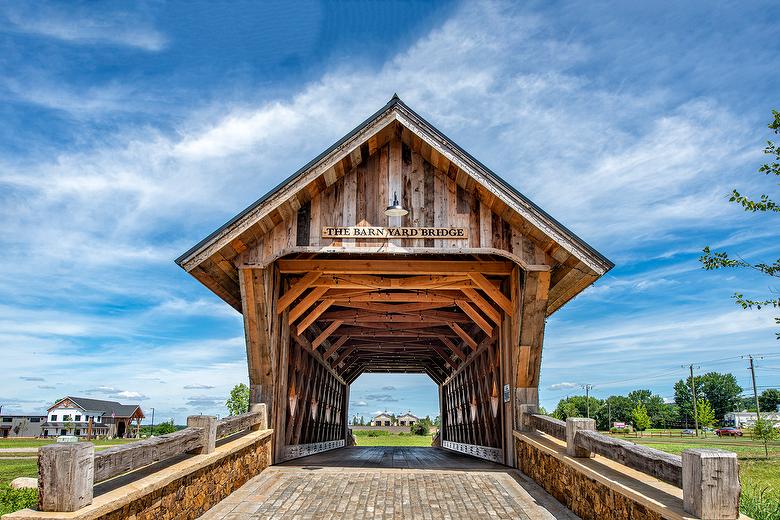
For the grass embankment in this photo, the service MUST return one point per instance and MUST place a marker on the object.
(385, 438)
(760, 477)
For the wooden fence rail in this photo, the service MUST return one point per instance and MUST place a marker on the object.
(549, 425)
(709, 478)
(659, 464)
(68, 471)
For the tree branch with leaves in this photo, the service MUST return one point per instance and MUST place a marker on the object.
(712, 260)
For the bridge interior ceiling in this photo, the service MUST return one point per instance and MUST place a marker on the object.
(412, 315)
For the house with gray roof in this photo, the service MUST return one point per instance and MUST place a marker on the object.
(84, 417)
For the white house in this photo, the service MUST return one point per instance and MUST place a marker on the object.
(407, 419)
(383, 419)
(748, 419)
(92, 417)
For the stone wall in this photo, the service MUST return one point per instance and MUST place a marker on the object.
(586, 496)
(183, 491)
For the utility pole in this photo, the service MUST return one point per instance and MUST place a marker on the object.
(587, 398)
(609, 413)
(693, 392)
(755, 392)
(151, 432)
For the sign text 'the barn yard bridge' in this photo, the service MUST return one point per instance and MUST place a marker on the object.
(394, 232)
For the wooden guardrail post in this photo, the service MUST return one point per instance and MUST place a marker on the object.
(259, 408)
(574, 424)
(209, 426)
(524, 413)
(710, 482)
(66, 476)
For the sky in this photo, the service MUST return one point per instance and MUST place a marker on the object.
(129, 131)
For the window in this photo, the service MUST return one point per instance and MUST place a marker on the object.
(78, 432)
(53, 418)
(387, 423)
(63, 432)
(77, 418)
(67, 417)
(35, 419)
(97, 419)
(8, 419)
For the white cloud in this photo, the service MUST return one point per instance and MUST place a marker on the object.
(563, 386)
(82, 26)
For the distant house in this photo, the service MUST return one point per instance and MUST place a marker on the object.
(407, 419)
(21, 425)
(746, 419)
(383, 419)
(80, 416)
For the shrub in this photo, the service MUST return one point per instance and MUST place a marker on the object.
(420, 429)
(370, 433)
(15, 499)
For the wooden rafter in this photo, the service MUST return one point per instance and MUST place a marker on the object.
(492, 291)
(326, 333)
(296, 290)
(483, 305)
(453, 347)
(312, 317)
(463, 335)
(475, 316)
(335, 346)
(306, 302)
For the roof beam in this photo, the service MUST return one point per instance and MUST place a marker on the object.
(312, 317)
(475, 316)
(410, 267)
(464, 336)
(483, 305)
(454, 348)
(326, 333)
(305, 303)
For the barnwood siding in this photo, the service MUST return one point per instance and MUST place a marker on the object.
(359, 198)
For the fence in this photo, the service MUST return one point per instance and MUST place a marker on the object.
(709, 478)
(69, 471)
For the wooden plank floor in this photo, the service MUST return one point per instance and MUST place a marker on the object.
(395, 457)
(389, 483)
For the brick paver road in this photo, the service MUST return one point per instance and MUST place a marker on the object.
(323, 492)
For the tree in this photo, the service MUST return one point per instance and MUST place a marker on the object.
(721, 390)
(654, 404)
(640, 418)
(420, 428)
(165, 427)
(721, 260)
(765, 431)
(615, 408)
(704, 413)
(769, 399)
(238, 402)
(577, 406)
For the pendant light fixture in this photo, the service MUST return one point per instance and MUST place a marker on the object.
(395, 209)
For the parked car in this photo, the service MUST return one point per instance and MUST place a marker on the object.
(688, 432)
(728, 431)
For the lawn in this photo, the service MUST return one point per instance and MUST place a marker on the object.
(760, 477)
(35, 443)
(394, 440)
(12, 468)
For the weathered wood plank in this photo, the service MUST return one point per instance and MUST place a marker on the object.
(549, 425)
(121, 459)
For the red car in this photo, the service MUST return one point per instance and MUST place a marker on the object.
(728, 432)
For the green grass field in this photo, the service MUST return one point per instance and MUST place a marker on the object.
(394, 440)
(12, 468)
(36, 443)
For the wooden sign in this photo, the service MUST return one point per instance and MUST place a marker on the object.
(453, 233)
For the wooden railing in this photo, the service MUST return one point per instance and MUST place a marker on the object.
(708, 477)
(659, 464)
(549, 425)
(68, 471)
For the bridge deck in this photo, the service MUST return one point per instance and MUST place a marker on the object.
(389, 483)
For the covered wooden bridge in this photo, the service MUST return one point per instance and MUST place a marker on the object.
(394, 251)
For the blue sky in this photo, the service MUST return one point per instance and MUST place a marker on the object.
(128, 132)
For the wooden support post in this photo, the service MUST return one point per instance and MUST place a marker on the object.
(573, 424)
(524, 417)
(209, 426)
(66, 476)
(711, 485)
(261, 408)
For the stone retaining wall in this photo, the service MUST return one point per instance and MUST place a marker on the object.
(182, 491)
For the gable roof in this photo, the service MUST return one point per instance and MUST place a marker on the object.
(99, 405)
(287, 197)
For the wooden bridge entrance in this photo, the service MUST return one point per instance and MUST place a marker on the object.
(394, 251)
